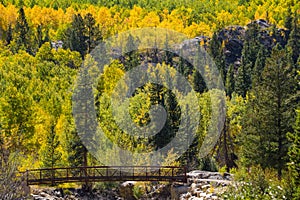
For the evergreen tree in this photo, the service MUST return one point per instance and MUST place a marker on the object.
(75, 38)
(288, 20)
(294, 155)
(39, 36)
(269, 114)
(50, 155)
(168, 55)
(243, 80)
(9, 35)
(251, 45)
(22, 33)
(225, 154)
(229, 85)
(77, 151)
(250, 50)
(131, 58)
(259, 65)
(294, 40)
(78, 156)
(92, 32)
(164, 97)
(216, 51)
(198, 82)
(168, 101)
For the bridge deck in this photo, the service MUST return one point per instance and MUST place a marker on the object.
(55, 176)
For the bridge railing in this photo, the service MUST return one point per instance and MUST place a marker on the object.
(105, 173)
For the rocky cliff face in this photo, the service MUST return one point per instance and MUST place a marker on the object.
(233, 38)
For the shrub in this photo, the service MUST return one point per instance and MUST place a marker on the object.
(12, 186)
(255, 184)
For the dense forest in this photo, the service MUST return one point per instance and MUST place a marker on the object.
(255, 46)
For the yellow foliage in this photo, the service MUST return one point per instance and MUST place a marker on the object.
(8, 16)
(198, 29)
(224, 18)
(150, 20)
(112, 74)
(61, 131)
(104, 18)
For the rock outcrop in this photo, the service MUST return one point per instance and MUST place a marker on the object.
(126, 190)
(233, 38)
(73, 194)
(202, 185)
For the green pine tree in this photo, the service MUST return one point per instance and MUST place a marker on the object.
(50, 155)
(132, 56)
(288, 20)
(168, 101)
(269, 114)
(198, 82)
(168, 55)
(243, 80)
(259, 65)
(294, 40)
(22, 33)
(74, 37)
(76, 150)
(229, 85)
(216, 51)
(9, 35)
(92, 32)
(251, 45)
(39, 36)
(294, 155)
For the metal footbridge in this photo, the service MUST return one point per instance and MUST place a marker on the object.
(54, 176)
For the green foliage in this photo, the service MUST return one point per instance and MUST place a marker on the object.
(198, 82)
(49, 153)
(138, 191)
(208, 164)
(75, 37)
(36, 84)
(34, 90)
(294, 156)
(228, 144)
(22, 33)
(230, 82)
(255, 183)
(76, 150)
(83, 35)
(294, 38)
(92, 32)
(216, 51)
(243, 82)
(269, 114)
(259, 65)
(288, 19)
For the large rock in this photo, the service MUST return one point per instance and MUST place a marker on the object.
(198, 174)
(233, 38)
(126, 190)
(177, 190)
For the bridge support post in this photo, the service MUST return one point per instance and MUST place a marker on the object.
(52, 177)
(27, 174)
(87, 186)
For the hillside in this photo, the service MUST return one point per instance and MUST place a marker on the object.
(209, 85)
